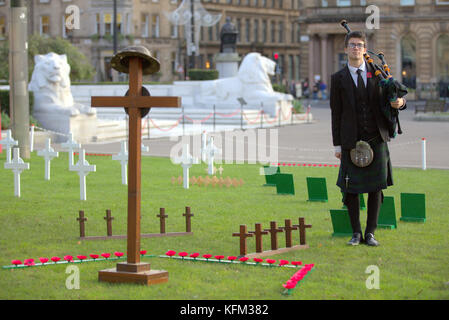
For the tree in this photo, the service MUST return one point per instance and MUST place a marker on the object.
(81, 69)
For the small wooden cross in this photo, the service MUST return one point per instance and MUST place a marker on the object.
(243, 234)
(288, 232)
(135, 103)
(109, 219)
(188, 215)
(162, 217)
(82, 219)
(273, 232)
(258, 233)
(302, 226)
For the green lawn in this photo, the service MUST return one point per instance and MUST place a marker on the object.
(413, 260)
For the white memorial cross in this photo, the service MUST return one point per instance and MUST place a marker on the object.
(203, 146)
(122, 156)
(8, 143)
(83, 168)
(211, 151)
(186, 162)
(17, 166)
(71, 145)
(48, 153)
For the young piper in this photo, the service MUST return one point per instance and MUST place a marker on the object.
(355, 100)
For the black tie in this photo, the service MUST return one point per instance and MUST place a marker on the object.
(360, 84)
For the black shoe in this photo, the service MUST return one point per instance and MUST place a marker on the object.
(369, 240)
(356, 239)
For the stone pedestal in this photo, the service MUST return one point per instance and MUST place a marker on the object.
(140, 273)
(227, 64)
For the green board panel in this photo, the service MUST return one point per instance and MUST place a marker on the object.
(270, 172)
(387, 214)
(413, 207)
(341, 223)
(284, 183)
(317, 190)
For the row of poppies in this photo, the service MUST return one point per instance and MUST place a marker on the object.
(297, 277)
(68, 258)
(171, 253)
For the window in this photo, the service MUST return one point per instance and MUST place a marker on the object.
(247, 30)
(44, 25)
(155, 26)
(442, 2)
(2, 27)
(407, 2)
(273, 31)
(281, 31)
(443, 65)
(343, 3)
(256, 30)
(408, 58)
(264, 31)
(107, 18)
(144, 23)
(97, 23)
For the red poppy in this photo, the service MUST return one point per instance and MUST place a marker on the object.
(143, 252)
(81, 257)
(183, 254)
(296, 263)
(289, 284)
(369, 75)
(257, 260)
(43, 260)
(283, 262)
(118, 254)
(218, 257)
(270, 261)
(194, 255)
(16, 262)
(170, 253)
(68, 258)
(28, 262)
(231, 258)
(207, 256)
(105, 255)
(297, 277)
(94, 256)
(55, 259)
(243, 259)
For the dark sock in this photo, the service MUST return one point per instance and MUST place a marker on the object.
(353, 204)
(374, 203)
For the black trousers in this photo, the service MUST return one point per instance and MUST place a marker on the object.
(375, 200)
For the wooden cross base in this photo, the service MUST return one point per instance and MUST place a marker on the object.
(139, 273)
(274, 252)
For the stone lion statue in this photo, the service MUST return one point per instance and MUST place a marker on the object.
(252, 83)
(50, 83)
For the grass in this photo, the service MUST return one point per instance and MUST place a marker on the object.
(413, 260)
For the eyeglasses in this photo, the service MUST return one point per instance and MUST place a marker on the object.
(356, 45)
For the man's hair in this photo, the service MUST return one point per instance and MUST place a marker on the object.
(355, 34)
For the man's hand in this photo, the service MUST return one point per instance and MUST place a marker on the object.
(338, 155)
(398, 103)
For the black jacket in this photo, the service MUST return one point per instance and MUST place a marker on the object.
(343, 108)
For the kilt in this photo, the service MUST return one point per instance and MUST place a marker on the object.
(375, 177)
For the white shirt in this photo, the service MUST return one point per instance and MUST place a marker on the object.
(354, 75)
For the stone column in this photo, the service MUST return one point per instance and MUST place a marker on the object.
(324, 70)
(312, 55)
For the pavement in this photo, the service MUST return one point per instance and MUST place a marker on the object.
(310, 142)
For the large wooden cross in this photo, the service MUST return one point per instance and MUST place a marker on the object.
(135, 103)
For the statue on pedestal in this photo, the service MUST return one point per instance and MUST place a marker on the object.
(228, 37)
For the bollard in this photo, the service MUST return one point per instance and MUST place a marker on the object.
(32, 138)
(423, 154)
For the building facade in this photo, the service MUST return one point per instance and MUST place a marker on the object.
(266, 26)
(413, 35)
(305, 35)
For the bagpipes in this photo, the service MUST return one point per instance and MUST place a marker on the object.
(391, 88)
